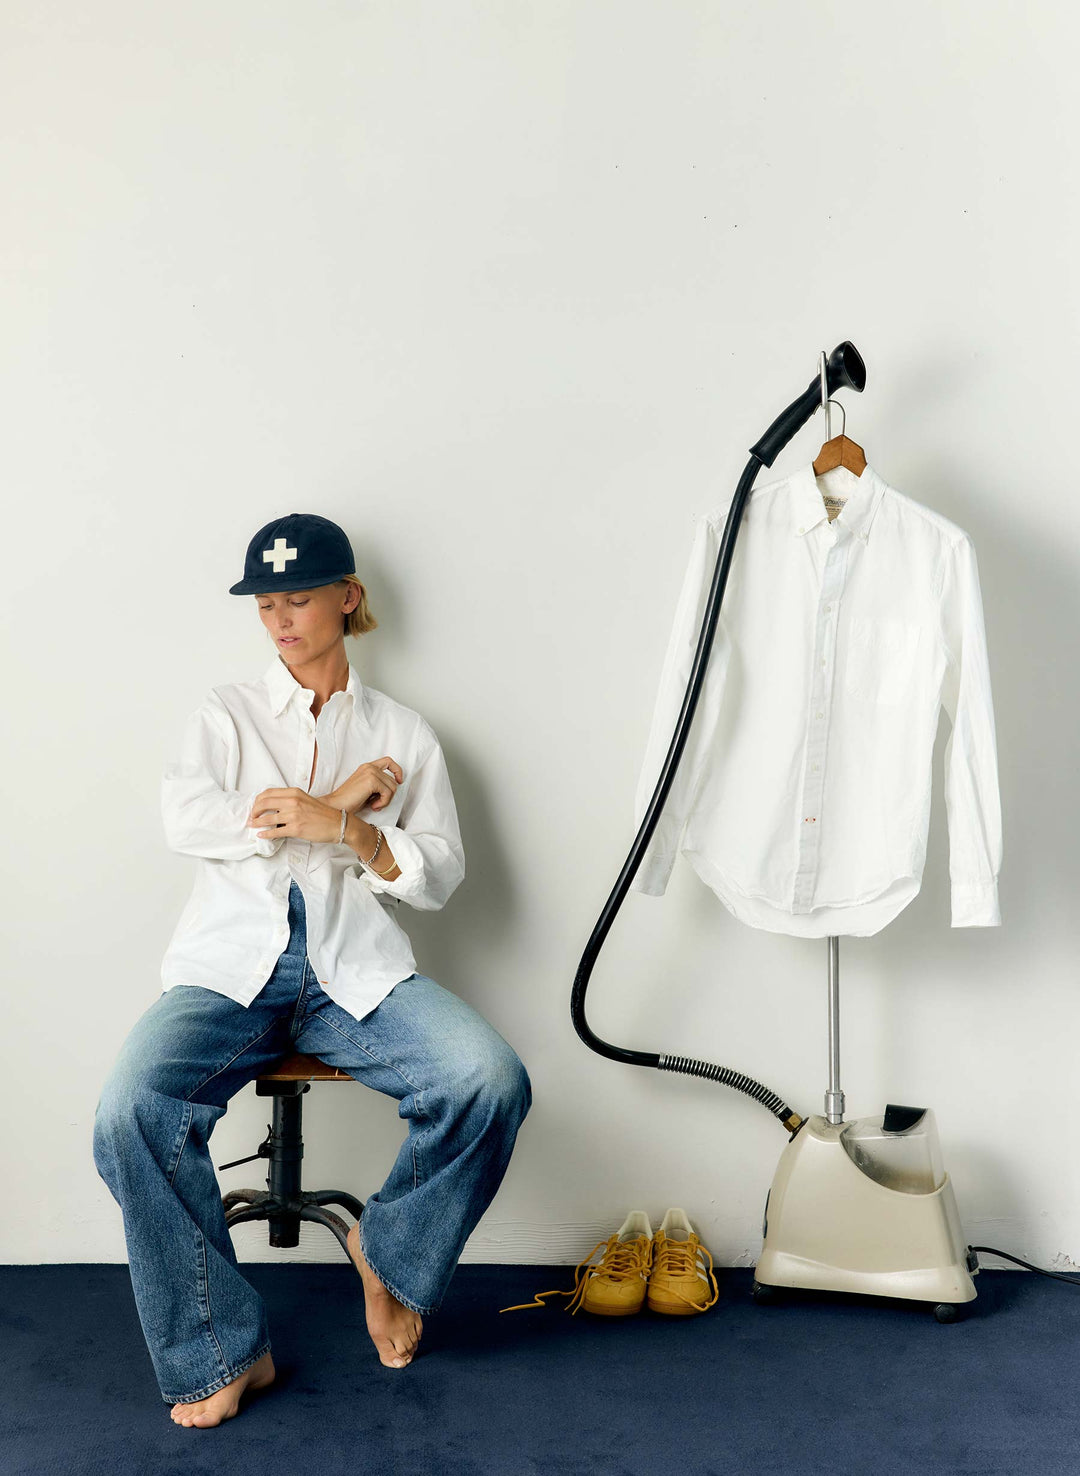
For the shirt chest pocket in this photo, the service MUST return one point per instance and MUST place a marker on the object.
(881, 657)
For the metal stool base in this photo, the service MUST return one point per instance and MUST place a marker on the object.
(283, 1202)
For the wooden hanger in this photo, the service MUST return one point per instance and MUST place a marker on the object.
(840, 451)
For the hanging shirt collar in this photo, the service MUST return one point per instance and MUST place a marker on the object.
(283, 687)
(863, 500)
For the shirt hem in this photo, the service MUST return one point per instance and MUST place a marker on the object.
(860, 919)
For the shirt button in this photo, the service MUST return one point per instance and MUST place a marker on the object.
(827, 608)
(823, 661)
(817, 766)
(802, 530)
(819, 714)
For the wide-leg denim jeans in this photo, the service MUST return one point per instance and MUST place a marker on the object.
(460, 1086)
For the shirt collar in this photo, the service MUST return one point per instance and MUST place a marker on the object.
(283, 687)
(808, 507)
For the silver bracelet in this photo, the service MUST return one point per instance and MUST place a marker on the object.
(375, 852)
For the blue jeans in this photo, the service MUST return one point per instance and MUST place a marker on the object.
(462, 1088)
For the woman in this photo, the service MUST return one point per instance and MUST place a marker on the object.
(290, 942)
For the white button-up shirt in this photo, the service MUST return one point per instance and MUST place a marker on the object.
(802, 797)
(251, 736)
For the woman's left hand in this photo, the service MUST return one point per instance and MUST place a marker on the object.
(293, 812)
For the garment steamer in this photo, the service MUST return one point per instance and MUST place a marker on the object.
(863, 1206)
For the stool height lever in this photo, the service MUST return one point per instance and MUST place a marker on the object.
(263, 1151)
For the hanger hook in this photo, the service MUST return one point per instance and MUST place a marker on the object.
(823, 376)
(826, 402)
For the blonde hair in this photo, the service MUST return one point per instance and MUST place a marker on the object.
(359, 621)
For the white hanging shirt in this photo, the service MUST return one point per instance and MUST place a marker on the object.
(251, 736)
(802, 797)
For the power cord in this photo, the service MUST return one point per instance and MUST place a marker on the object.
(1054, 1275)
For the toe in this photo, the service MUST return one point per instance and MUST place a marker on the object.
(195, 1413)
(391, 1354)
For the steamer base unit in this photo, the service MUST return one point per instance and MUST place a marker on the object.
(866, 1206)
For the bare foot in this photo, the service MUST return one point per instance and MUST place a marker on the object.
(395, 1329)
(202, 1413)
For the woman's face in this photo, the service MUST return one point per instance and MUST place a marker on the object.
(305, 624)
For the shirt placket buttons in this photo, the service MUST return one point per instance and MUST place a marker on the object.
(304, 754)
(817, 727)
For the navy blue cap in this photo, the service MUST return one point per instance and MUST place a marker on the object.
(298, 551)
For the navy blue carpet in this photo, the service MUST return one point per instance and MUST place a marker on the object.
(817, 1386)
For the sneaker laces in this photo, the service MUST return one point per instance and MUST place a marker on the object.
(679, 1258)
(621, 1260)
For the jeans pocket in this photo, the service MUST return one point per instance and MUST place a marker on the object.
(880, 660)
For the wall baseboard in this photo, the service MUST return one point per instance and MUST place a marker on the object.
(498, 1242)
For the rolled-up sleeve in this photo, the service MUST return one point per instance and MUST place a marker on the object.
(972, 799)
(201, 815)
(425, 839)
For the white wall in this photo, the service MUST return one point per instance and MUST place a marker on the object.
(508, 289)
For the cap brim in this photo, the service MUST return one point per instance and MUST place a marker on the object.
(283, 586)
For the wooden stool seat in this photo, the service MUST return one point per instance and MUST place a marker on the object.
(303, 1068)
(283, 1202)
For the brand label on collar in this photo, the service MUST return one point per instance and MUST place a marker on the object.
(833, 503)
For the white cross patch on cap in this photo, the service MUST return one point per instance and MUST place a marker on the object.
(278, 555)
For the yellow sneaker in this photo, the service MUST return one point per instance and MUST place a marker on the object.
(617, 1286)
(679, 1281)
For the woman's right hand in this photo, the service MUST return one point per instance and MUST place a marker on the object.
(375, 782)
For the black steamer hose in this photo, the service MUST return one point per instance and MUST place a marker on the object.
(844, 370)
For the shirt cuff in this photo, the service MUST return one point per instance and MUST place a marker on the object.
(975, 905)
(653, 875)
(263, 844)
(409, 858)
